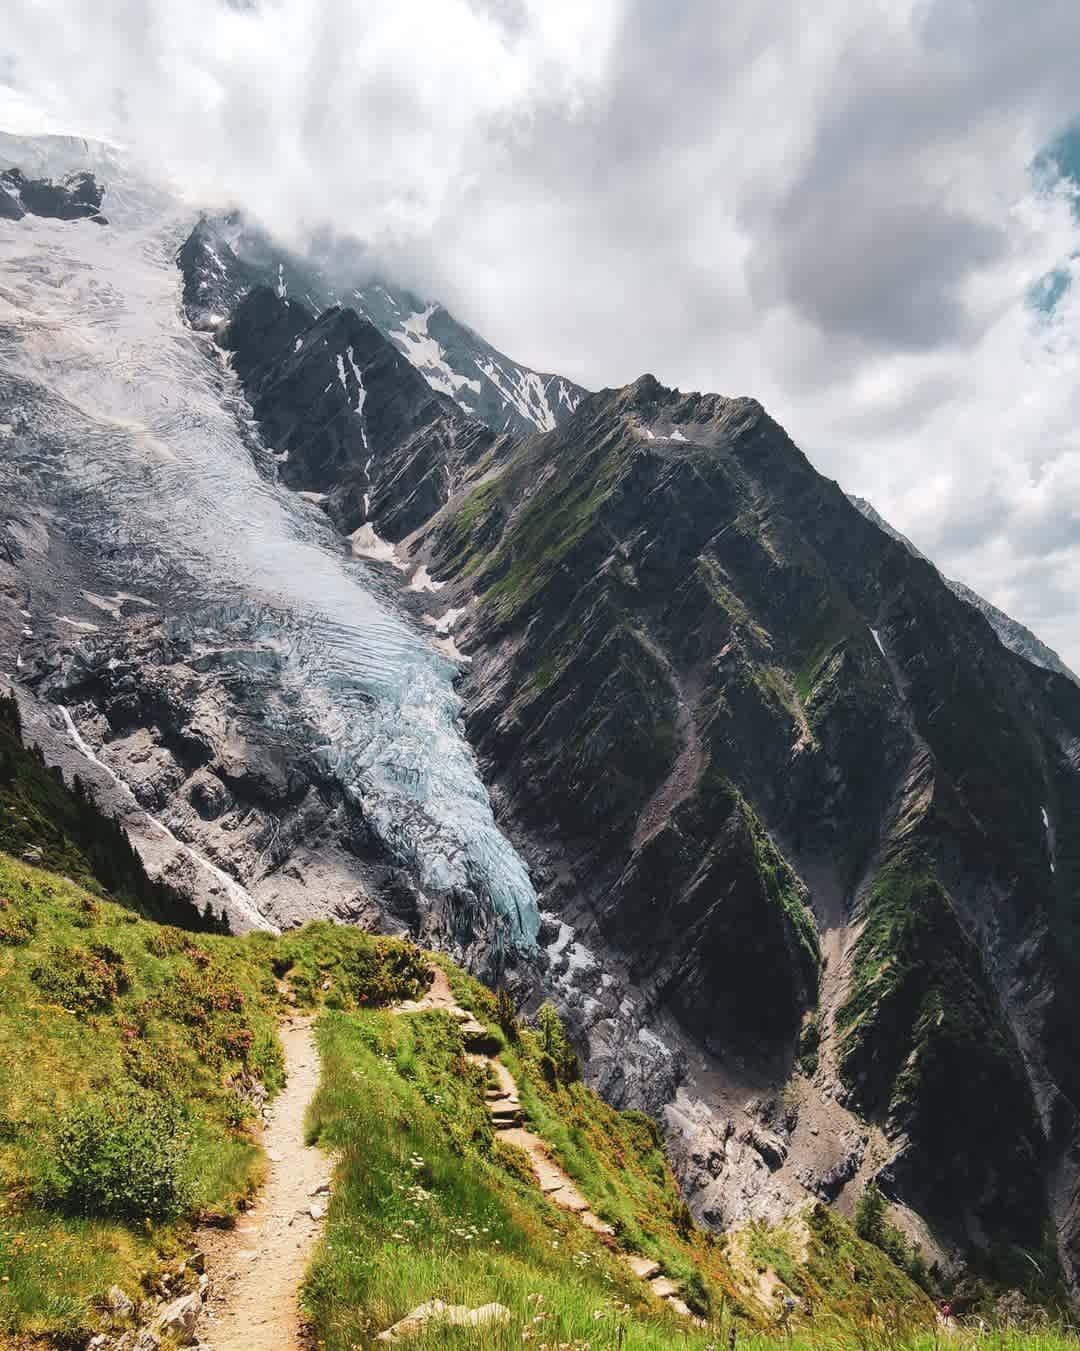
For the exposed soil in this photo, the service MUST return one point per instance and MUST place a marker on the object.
(256, 1268)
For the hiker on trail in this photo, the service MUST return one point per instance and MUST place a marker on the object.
(787, 1308)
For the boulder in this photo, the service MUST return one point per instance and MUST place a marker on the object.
(453, 1315)
(177, 1320)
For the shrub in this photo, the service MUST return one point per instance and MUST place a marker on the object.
(82, 979)
(384, 972)
(16, 924)
(123, 1155)
(810, 1046)
(506, 1014)
(558, 1059)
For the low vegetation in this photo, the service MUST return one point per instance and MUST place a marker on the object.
(134, 1061)
(135, 1058)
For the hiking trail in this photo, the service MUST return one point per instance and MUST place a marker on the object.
(504, 1106)
(257, 1267)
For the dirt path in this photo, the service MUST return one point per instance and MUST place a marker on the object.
(256, 1269)
(504, 1105)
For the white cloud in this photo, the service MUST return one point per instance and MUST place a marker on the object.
(829, 207)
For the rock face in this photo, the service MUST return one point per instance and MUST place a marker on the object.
(1015, 636)
(807, 834)
(739, 728)
(77, 196)
(227, 256)
(350, 419)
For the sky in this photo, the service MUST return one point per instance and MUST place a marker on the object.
(862, 212)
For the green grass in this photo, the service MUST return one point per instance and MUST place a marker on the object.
(426, 1205)
(101, 1007)
(98, 1004)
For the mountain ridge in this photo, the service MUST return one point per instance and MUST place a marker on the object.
(1014, 635)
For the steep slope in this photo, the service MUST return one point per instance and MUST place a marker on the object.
(1015, 636)
(226, 256)
(353, 424)
(154, 1178)
(733, 724)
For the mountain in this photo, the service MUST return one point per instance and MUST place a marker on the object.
(756, 751)
(638, 715)
(1015, 636)
(233, 254)
(760, 754)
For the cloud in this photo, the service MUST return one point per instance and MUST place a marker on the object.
(831, 207)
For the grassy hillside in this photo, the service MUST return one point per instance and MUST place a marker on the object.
(430, 1204)
(134, 1060)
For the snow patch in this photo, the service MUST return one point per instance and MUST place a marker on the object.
(677, 435)
(522, 389)
(82, 624)
(877, 639)
(367, 544)
(450, 649)
(444, 625)
(421, 580)
(361, 395)
(282, 290)
(428, 355)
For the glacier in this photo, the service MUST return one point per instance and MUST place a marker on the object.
(130, 430)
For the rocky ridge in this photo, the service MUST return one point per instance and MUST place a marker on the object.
(227, 256)
(739, 729)
(804, 829)
(1015, 636)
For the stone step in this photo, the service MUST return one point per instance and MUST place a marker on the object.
(662, 1288)
(478, 1039)
(507, 1117)
(643, 1267)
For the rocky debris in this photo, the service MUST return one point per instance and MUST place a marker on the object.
(143, 1339)
(831, 1182)
(178, 1319)
(118, 1303)
(771, 1148)
(436, 1311)
(77, 196)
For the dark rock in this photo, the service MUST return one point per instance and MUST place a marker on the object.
(75, 197)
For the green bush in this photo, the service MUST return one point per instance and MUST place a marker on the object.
(558, 1060)
(82, 979)
(122, 1155)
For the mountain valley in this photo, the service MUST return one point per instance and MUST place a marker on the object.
(612, 700)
